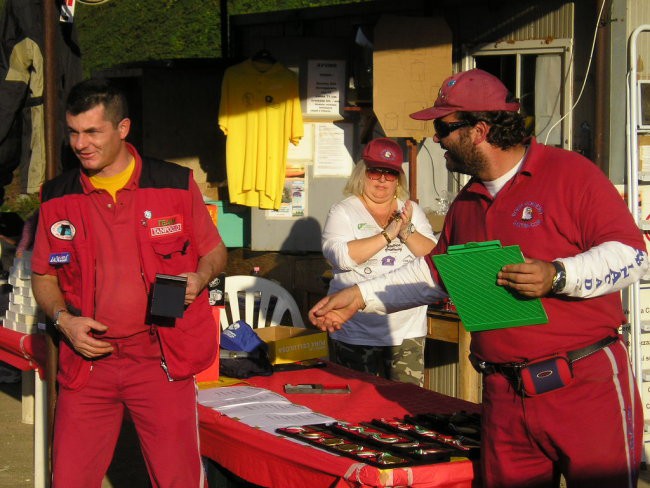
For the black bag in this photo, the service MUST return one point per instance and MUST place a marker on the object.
(243, 354)
(239, 364)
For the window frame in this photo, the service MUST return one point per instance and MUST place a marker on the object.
(562, 47)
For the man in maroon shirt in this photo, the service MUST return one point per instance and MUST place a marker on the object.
(581, 246)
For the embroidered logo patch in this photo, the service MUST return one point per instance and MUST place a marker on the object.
(60, 258)
(63, 229)
(163, 226)
(388, 261)
(528, 215)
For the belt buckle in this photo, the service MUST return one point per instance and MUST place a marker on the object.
(482, 365)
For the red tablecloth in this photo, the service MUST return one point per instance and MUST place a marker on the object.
(23, 351)
(271, 461)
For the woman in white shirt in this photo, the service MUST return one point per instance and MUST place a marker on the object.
(373, 231)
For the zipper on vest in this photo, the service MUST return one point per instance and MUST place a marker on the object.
(163, 364)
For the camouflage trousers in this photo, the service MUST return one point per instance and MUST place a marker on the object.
(399, 363)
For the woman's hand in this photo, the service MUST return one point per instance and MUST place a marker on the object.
(394, 226)
(406, 215)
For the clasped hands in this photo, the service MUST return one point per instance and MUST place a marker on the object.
(399, 224)
(532, 279)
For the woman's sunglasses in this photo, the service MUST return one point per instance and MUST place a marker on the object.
(443, 129)
(375, 174)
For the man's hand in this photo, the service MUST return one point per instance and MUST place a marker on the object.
(532, 279)
(195, 284)
(78, 332)
(209, 266)
(333, 311)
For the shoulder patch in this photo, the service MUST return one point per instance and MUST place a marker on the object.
(63, 229)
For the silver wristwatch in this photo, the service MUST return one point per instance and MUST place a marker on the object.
(409, 230)
(559, 280)
(57, 315)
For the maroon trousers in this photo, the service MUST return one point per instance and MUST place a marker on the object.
(88, 420)
(591, 431)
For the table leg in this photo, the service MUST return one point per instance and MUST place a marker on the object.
(469, 381)
(41, 457)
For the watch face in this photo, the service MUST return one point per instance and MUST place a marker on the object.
(559, 282)
(411, 228)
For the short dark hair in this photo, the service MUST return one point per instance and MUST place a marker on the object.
(507, 129)
(90, 93)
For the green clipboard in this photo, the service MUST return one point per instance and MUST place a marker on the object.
(469, 272)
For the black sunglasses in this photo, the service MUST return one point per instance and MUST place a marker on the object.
(375, 174)
(443, 129)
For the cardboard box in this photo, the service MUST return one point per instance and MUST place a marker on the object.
(408, 70)
(436, 221)
(290, 344)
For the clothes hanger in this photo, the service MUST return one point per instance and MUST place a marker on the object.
(264, 56)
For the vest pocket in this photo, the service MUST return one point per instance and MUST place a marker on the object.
(173, 255)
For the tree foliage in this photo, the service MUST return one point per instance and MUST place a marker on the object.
(121, 31)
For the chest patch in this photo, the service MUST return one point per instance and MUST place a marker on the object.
(63, 229)
(60, 258)
(388, 261)
(164, 226)
(527, 215)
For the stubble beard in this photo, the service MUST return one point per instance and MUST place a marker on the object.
(464, 157)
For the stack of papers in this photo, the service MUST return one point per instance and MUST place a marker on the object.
(260, 408)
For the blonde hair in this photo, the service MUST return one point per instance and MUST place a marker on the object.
(357, 181)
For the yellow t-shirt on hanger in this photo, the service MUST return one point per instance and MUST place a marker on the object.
(260, 114)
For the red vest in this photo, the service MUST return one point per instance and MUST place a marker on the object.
(163, 189)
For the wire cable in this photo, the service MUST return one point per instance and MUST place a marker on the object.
(433, 169)
(584, 81)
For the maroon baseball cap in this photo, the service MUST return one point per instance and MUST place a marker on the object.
(469, 91)
(383, 153)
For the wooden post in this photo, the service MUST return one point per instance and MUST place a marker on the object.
(50, 19)
(412, 145)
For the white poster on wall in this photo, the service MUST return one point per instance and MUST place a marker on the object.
(333, 144)
(294, 200)
(325, 87)
(305, 150)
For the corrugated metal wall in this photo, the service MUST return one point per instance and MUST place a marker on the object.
(543, 20)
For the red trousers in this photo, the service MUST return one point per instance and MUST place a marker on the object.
(590, 431)
(88, 421)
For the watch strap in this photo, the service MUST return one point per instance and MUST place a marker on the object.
(57, 315)
(559, 279)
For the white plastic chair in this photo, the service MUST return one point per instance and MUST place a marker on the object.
(251, 291)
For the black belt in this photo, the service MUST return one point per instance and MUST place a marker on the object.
(510, 370)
